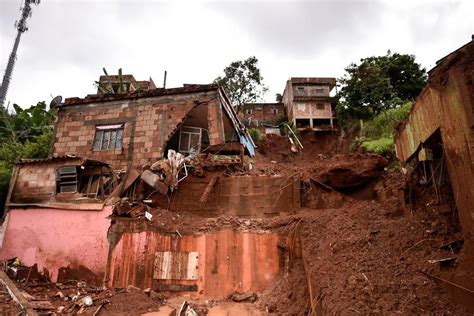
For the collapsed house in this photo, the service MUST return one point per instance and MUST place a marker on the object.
(113, 156)
(438, 138)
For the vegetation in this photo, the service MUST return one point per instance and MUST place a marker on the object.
(25, 133)
(378, 133)
(256, 135)
(243, 82)
(377, 84)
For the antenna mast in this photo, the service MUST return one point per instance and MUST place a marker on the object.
(22, 27)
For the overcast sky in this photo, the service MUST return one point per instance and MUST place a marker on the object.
(69, 41)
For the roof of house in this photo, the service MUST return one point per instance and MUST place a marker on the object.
(92, 98)
(318, 80)
(83, 161)
(266, 103)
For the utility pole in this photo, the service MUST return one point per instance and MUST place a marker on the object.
(22, 27)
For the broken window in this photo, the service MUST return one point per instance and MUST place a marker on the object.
(190, 139)
(108, 137)
(91, 180)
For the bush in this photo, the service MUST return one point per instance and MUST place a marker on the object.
(378, 133)
(381, 146)
(383, 125)
(256, 135)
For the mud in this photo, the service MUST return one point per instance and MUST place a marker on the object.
(363, 247)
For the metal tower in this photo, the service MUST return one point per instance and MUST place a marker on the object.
(22, 27)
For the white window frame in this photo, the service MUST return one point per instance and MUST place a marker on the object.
(197, 131)
(301, 107)
(101, 133)
(248, 111)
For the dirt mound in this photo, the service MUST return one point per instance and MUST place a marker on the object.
(362, 261)
(294, 300)
(277, 148)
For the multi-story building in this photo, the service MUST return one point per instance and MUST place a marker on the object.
(308, 103)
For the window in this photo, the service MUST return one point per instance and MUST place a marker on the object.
(301, 107)
(66, 179)
(274, 111)
(108, 137)
(190, 139)
(319, 91)
(248, 111)
(320, 106)
(300, 89)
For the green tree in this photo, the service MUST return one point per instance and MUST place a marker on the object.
(379, 83)
(242, 82)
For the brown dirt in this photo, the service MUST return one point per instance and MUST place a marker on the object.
(363, 257)
(277, 148)
(288, 294)
(364, 260)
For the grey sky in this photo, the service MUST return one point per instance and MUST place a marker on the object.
(70, 41)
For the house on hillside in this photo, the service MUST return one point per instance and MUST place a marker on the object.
(308, 103)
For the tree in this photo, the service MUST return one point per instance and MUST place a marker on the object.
(379, 83)
(242, 82)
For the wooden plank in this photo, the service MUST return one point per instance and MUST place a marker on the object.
(16, 294)
(309, 282)
(173, 265)
(207, 191)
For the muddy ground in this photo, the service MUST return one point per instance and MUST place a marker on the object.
(368, 256)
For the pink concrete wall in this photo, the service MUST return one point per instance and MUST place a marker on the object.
(54, 239)
(229, 261)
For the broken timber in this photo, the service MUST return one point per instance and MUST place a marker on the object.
(16, 294)
(207, 191)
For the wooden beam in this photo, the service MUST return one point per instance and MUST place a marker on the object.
(207, 191)
(16, 295)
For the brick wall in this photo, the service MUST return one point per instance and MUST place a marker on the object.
(312, 110)
(148, 124)
(263, 112)
(244, 196)
(36, 182)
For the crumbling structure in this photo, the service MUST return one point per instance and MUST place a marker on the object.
(438, 138)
